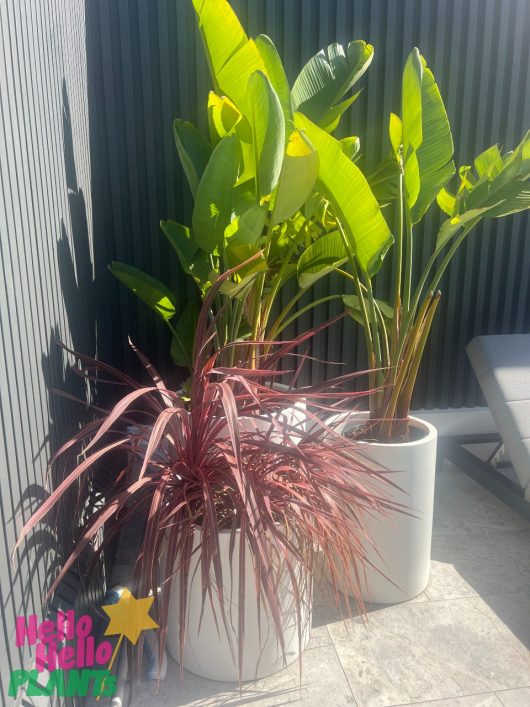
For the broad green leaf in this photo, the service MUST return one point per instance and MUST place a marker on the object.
(297, 178)
(427, 140)
(221, 32)
(411, 103)
(248, 226)
(182, 342)
(384, 181)
(489, 162)
(505, 192)
(350, 146)
(325, 255)
(352, 303)
(213, 203)
(225, 119)
(276, 73)
(223, 116)
(193, 260)
(446, 201)
(268, 131)
(234, 76)
(345, 185)
(451, 226)
(395, 131)
(327, 76)
(331, 119)
(243, 238)
(194, 151)
(154, 293)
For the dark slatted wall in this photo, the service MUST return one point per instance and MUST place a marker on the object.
(146, 67)
(46, 267)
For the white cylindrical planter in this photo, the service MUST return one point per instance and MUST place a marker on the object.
(402, 543)
(207, 652)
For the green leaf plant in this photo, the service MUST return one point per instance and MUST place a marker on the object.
(255, 182)
(416, 175)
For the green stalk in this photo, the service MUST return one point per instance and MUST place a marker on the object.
(273, 333)
(360, 295)
(279, 279)
(375, 329)
(407, 286)
(399, 263)
(307, 307)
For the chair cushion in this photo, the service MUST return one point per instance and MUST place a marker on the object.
(502, 366)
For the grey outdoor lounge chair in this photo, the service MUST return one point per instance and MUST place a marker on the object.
(502, 366)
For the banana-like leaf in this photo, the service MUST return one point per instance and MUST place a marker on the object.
(384, 180)
(350, 146)
(154, 293)
(221, 33)
(248, 226)
(446, 201)
(353, 305)
(346, 187)
(194, 151)
(243, 239)
(225, 119)
(325, 255)
(451, 226)
(232, 56)
(193, 260)
(331, 119)
(395, 131)
(503, 190)
(326, 77)
(213, 203)
(223, 116)
(427, 140)
(276, 73)
(268, 131)
(297, 178)
(182, 342)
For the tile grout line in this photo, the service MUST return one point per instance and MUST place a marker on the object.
(445, 699)
(344, 671)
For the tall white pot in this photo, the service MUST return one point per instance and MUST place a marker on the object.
(402, 542)
(207, 648)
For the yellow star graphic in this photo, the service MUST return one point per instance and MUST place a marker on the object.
(129, 617)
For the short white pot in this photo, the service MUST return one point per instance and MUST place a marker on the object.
(207, 648)
(402, 542)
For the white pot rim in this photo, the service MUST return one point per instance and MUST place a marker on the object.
(417, 421)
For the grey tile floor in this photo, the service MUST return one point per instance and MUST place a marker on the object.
(465, 642)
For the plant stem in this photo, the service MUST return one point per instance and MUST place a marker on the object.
(407, 286)
(362, 303)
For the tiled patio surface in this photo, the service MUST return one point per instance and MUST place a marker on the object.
(464, 643)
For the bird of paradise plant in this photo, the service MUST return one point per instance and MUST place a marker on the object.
(253, 182)
(199, 470)
(415, 175)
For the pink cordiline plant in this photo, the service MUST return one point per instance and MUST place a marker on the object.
(285, 491)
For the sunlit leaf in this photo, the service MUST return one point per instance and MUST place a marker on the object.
(194, 151)
(327, 76)
(268, 130)
(345, 185)
(325, 255)
(297, 178)
(276, 73)
(213, 203)
(154, 293)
